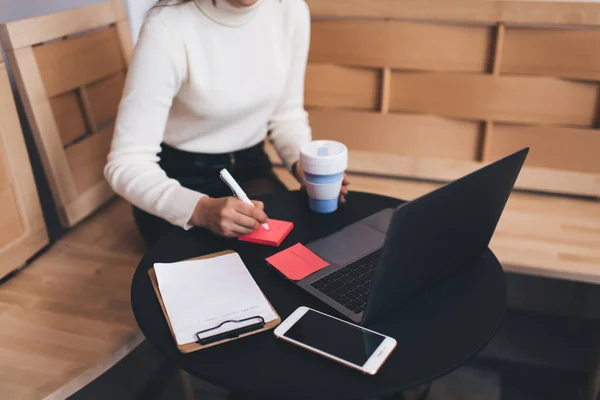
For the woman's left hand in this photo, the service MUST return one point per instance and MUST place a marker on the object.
(344, 190)
(345, 183)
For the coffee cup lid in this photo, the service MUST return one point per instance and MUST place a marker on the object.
(324, 157)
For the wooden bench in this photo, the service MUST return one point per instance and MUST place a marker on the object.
(66, 318)
(425, 92)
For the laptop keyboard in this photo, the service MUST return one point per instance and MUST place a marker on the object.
(350, 285)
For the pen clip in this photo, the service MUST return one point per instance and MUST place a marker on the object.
(228, 185)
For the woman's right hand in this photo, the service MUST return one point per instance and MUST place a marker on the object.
(229, 217)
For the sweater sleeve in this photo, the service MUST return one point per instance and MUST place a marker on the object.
(156, 73)
(289, 125)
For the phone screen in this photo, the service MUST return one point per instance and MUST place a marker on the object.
(335, 337)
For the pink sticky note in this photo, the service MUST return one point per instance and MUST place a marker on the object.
(278, 230)
(297, 262)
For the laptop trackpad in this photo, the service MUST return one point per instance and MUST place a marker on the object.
(380, 220)
(348, 244)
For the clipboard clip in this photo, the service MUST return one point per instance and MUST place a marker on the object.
(259, 324)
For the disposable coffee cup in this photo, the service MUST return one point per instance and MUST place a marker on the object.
(323, 163)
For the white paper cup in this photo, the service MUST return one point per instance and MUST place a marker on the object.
(323, 163)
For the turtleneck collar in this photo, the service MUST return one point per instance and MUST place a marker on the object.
(225, 13)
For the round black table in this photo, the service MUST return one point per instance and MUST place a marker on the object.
(436, 331)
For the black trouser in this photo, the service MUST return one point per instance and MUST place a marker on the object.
(251, 168)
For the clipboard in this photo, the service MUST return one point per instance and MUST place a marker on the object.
(228, 336)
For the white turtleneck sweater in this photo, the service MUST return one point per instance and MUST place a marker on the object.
(208, 79)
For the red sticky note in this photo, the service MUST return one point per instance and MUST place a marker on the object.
(297, 262)
(278, 230)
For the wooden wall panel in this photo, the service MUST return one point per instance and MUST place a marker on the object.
(484, 97)
(90, 62)
(409, 135)
(444, 170)
(74, 62)
(333, 86)
(11, 225)
(401, 45)
(125, 37)
(479, 70)
(88, 158)
(551, 147)
(552, 52)
(105, 96)
(69, 116)
(22, 227)
(474, 11)
(32, 31)
(43, 124)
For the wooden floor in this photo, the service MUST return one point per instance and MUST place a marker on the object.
(112, 230)
(66, 318)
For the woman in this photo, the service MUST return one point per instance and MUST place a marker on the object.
(208, 80)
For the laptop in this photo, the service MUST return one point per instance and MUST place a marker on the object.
(381, 261)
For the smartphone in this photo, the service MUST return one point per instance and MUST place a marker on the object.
(336, 339)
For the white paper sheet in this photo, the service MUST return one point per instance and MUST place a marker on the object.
(202, 294)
